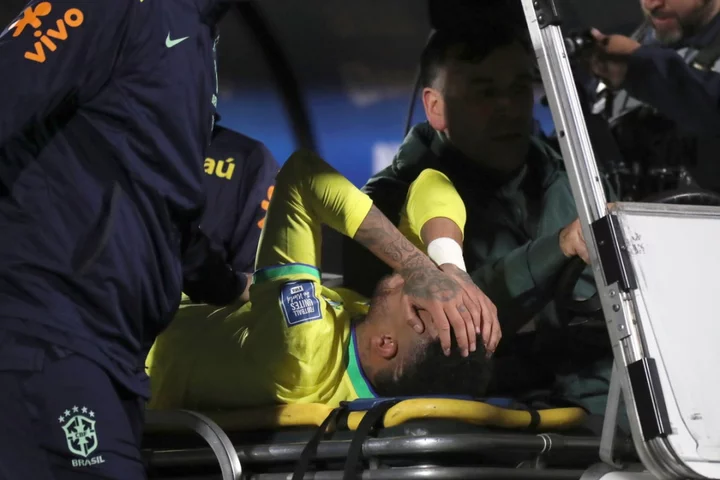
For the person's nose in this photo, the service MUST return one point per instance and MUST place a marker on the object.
(651, 5)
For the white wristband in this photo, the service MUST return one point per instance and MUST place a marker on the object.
(446, 250)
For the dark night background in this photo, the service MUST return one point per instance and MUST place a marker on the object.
(353, 65)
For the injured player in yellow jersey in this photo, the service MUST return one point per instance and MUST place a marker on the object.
(426, 331)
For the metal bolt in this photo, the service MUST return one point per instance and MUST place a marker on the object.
(613, 293)
(616, 308)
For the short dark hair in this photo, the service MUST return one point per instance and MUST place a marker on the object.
(468, 46)
(434, 373)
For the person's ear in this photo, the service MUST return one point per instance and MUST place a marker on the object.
(385, 346)
(434, 104)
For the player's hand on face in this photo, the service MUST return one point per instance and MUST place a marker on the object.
(447, 303)
(482, 310)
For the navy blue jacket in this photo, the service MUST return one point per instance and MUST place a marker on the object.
(239, 177)
(660, 77)
(106, 110)
(687, 97)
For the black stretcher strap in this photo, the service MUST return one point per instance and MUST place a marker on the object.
(534, 420)
(310, 451)
(370, 421)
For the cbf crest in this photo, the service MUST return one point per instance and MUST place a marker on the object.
(79, 428)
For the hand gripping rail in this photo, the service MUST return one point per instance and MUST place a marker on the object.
(219, 442)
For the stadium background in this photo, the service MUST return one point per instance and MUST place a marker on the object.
(354, 65)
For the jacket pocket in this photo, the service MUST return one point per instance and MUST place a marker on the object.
(17, 355)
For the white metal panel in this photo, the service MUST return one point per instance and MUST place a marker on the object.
(675, 253)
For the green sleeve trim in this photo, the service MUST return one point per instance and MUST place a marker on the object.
(359, 381)
(271, 273)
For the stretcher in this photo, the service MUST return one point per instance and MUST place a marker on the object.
(398, 438)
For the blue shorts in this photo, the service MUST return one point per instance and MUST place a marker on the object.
(62, 416)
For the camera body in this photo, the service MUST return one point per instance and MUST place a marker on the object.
(578, 42)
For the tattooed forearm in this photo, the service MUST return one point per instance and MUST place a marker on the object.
(422, 277)
(380, 236)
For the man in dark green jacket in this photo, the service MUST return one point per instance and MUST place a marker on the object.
(522, 227)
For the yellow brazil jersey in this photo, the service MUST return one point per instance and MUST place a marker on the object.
(294, 345)
(431, 195)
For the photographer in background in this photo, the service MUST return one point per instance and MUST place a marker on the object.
(663, 93)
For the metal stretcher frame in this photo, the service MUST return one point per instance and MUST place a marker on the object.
(223, 451)
(423, 451)
(413, 440)
(642, 379)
